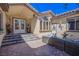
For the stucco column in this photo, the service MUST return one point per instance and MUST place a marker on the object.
(35, 25)
(4, 26)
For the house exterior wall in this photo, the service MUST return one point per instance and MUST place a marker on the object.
(60, 22)
(23, 12)
(63, 20)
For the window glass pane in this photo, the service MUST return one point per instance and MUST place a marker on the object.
(16, 24)
(54, 27)
(41, 25)
(46, 25)
(71, 25)
(45, 18)
(60, 26)
(22, 24)
(77, 25)
(49, 25)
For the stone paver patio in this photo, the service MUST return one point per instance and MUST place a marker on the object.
(31, 48)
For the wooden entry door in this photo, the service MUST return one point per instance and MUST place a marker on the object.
(19, 26)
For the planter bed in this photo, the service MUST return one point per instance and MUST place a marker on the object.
(69, 46)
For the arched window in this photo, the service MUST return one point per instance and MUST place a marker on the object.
(45, 24)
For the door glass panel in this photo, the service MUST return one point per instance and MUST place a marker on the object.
(22, 24)
(17, 24)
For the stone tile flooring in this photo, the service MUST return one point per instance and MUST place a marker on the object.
(31, 48)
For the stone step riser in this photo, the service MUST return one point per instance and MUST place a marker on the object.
(12, 36)
(11, 43)
(11, 40)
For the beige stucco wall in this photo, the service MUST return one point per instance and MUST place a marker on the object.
(35, 26)
(62, 19)
(4, 26)
(20, 11)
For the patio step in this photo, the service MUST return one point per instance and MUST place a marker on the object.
(11, 43)
(11, 39)
(17, 38)
(7, 38)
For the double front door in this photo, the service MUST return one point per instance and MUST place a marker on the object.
(19, 26)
